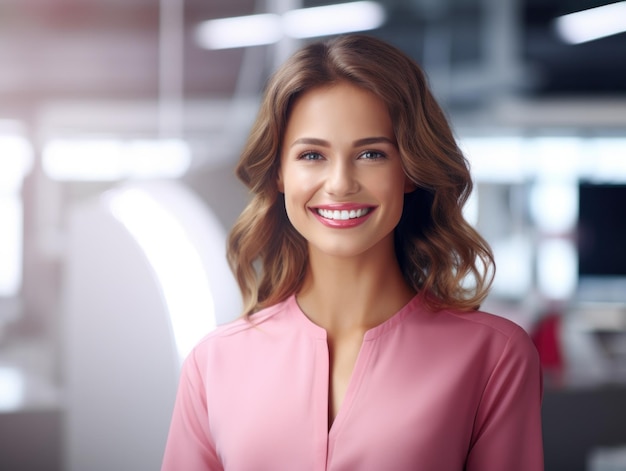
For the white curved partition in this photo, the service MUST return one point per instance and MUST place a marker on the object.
(146, 278)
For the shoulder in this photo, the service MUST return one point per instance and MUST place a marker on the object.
(491, 335)
(495, 352)
(242, 331)
(483, 321)
(467, 321)
(244, 348)
(479, 322)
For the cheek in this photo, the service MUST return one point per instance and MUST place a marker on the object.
(386, 186)
(295, 191)
(297, 184)
(391, 191)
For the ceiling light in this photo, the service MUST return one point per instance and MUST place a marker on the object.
(595, 23)
(240, 31)
(333, 19)
(255, 30)
(115, 159)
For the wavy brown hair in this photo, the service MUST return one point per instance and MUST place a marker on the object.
(437, 250)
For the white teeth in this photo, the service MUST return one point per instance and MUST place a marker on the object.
(343, 215)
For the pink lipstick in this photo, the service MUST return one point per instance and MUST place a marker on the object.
(342, 216)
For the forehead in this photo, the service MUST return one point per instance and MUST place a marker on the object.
(339, 109)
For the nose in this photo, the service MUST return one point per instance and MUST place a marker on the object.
(341, 179)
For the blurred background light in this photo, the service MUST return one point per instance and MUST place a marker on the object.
(115, 159)
(255, 30)
(555, 158)
(11, 388)
(16, 161)
(513, 256)
(240, 31)
(554, 205)
(495, 159)
(592, 24)
(557, 266)
(333, 19)
(175, 261)
(607, 162)
(11, 216)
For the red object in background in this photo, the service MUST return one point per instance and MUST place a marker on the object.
(547, 340)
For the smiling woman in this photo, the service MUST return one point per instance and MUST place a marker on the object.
(350, 164)
(361, 346)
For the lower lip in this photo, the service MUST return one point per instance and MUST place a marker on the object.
(342, 223)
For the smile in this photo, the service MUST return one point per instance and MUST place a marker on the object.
(345, 216)
(342, 215)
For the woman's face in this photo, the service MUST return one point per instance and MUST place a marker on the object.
(341, 171)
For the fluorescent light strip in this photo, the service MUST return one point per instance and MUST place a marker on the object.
(240, 31)
(592, 24)
(256, 30)
(333, 19)
(114, 159)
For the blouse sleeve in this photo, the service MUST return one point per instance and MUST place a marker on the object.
(189, 445)
(507, 432)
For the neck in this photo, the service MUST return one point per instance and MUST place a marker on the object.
(353, 293)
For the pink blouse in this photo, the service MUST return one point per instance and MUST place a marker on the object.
(430, 391)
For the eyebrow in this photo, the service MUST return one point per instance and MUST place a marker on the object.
(358, 143)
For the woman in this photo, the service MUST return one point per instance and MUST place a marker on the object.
(361, 347)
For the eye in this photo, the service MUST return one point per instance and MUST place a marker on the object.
(310, 155)
(372, 155)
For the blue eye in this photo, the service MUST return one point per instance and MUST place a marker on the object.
(372, 155)
(310, 155)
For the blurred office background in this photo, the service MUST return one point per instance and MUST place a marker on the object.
(121, 122)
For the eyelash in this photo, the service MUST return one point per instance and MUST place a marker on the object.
(306, 155)
(378, 155)
(309, 153)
